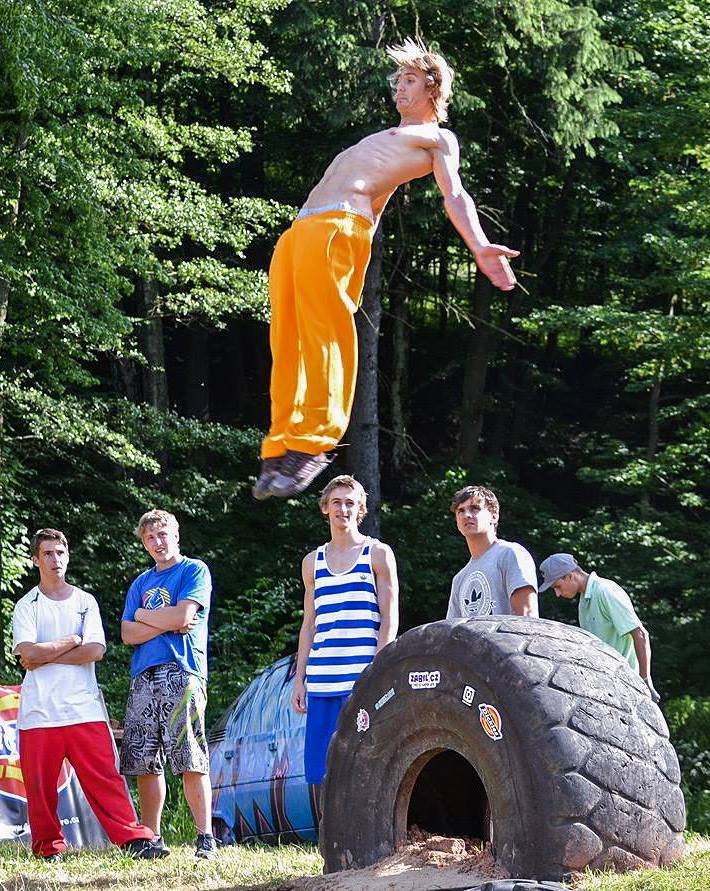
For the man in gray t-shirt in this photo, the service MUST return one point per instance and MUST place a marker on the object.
(500, 578)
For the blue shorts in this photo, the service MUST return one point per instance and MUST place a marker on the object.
(321, 720)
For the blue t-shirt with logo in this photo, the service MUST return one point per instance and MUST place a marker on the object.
(186, 580)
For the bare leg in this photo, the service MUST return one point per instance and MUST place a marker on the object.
(198, 793)
(151, 792)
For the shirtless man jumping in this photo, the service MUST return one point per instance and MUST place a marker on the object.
(318, 269)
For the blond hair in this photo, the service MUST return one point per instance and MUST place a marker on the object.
(438, 74)
(156, 517)
(348, 482)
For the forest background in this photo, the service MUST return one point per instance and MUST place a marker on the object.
(150, 154)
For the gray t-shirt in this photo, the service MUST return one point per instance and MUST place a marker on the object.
(483, 587)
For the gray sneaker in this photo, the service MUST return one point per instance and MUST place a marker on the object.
(298, 471)
(206, 846)
(142, 849)
(270, 468)
(160, 845)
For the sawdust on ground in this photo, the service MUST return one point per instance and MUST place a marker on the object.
(425, 863)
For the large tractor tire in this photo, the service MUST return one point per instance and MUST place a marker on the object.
(530, 734)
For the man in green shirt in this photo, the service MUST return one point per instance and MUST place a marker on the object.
(605, 610)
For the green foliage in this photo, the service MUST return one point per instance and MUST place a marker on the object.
(165, 143)
(689, 722)
(111, 154)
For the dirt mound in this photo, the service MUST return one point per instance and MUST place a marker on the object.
(427, 861)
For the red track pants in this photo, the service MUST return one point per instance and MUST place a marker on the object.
(89, 749)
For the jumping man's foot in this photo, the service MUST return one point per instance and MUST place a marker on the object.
(297, 473)
(270, 468)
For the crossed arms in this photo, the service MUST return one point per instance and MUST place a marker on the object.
(71, 650)
(64, 651)
(149, 623)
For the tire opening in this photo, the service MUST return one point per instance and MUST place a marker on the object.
(441, 793)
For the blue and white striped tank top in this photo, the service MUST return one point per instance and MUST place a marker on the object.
(347, 623)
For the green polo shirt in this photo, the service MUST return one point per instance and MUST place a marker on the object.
(606, 610)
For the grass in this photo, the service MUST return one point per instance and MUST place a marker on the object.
(240, 866)
(692, 873)
(247, 866)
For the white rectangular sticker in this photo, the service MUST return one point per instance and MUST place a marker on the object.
(384, 699)
(424, 680)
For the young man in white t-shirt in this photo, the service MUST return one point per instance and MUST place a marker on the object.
(500, 578)
(58, 636)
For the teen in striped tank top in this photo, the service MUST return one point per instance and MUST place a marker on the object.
(347, 623)
(350, 611)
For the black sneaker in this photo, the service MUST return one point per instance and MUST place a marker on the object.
(206, 846)
(161, 846)
(52, 858)
(142, 849)
(297, 473)
(270, 468)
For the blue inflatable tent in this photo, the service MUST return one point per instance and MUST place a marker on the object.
(256, 765)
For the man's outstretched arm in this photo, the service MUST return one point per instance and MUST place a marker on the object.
(491, 259)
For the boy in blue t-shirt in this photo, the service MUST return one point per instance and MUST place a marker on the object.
(165, 619)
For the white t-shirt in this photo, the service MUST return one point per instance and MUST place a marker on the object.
(55, 695)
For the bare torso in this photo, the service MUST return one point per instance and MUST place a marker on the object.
(366, 174)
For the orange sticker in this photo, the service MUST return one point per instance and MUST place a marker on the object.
(491, 721)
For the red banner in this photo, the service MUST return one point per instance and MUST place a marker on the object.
(79, 825)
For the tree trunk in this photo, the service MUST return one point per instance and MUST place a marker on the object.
(399, 308)
(363, 454)
(443, 287)
(125, 378)
(155, 381)
(478, 352)
(197, 390)
(654, 403)
(481, 343)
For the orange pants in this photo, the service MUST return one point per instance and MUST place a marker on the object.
(315, 282)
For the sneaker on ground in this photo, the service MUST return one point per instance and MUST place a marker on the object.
(206, 846)
(270, 468)
(298, 471)
(142, 849)
(161, 846)
(52, 858)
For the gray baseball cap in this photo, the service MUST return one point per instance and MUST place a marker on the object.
(554, 567)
